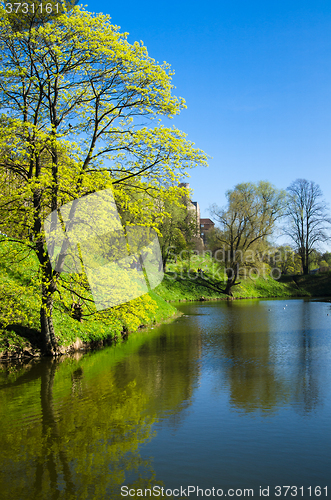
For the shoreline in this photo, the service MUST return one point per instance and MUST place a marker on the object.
(84, 346)
(20, 339)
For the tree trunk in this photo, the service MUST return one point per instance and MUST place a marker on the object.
(50, 346)
(228, 287)
(164, 263)
(306, 268)
(232, 276)
(305, 263)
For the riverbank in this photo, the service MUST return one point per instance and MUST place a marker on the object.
(22, 339)
(20, 303)
(20, 312)
(187, 286)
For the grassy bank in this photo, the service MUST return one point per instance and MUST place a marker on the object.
(20, 306)
(20, 302)
(183, 282)
(184, 287)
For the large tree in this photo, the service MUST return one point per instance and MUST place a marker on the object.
(245, 223)
(307, 218)
(76, 98)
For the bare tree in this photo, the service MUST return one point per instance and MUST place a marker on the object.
(307, 216)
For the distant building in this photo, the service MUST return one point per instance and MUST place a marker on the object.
(193, 207)
(205, 226)
(197, 215)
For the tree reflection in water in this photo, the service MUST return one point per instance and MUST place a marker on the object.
(269, 360)
(83, 440)
(74, 428)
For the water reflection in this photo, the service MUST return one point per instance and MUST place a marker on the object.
(53, 458)
(82, 442)
(308, 345)
(267, 352)
(166, 367)
(238, 348)
(78, 428)
(73, 428)
(253, 381)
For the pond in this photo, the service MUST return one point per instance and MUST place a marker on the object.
(231, 399)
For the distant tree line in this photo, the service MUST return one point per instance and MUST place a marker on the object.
(247, 223)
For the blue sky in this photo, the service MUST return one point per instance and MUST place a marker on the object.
(256, 76)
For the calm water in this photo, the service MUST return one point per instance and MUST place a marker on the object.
(232, 395)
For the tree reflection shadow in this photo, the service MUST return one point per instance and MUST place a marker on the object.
(52, 452)
(79, 439)
(266, 368)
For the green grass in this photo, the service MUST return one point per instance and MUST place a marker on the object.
(20, 306)
(317, 285)
(185, 287)
(182, 282)
(20, 301)
(267, 287)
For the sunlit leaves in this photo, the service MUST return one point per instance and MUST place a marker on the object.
(77, 104)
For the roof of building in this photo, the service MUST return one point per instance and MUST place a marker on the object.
(206, 221)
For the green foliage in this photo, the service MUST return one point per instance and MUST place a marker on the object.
(75, 99)
(327, 258)
(183, 282)
(245, 224)
(178, 226)
(247, 221)
(286, 260)
(20, 303)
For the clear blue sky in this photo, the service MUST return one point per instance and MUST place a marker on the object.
(256, 76)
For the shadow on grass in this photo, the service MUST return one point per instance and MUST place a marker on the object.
(316, 285)
(19, 339)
